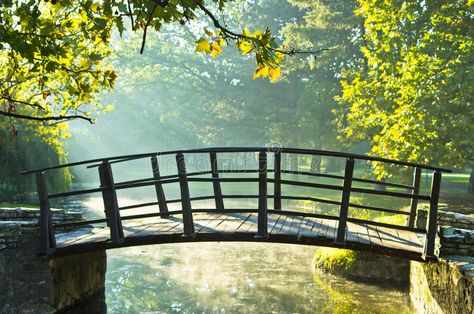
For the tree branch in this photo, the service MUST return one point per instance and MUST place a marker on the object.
(88, 70)
(217, 24)
(130, 13)
(227, 32)
(51, 118)
(150, 17)
(23, 102)
(235, 36)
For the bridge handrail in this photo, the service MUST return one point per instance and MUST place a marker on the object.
(123, 158)
(174, 179)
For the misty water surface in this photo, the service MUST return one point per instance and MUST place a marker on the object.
(231, 278)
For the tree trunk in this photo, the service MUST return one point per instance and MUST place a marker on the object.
(333, 165)
(470, 188)
(315, 164)
(294, 162)
(381, 187)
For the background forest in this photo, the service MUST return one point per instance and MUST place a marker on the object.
(394, 80)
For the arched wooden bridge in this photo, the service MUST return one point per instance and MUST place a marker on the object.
(284, 224)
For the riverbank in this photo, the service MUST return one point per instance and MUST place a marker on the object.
(363, 266)
(444, 286)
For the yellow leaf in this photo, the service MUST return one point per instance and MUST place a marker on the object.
(245, 47)
(209, 33)
(76, 23)
(215, 50)
(257, 34)
(279, 57)
(46, 93)
(246, 32)
(220, 41)
(95, 7)
(219, 32)
(262, 71)
(203, 45)
(274, 73)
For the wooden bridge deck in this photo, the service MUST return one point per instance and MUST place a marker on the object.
(234, 226)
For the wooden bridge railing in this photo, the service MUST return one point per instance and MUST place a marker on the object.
(108, 188)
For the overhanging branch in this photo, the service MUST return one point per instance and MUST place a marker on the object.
(233, 35)
(227, 32)
(35, 105)
(50, 118)
(161, 3)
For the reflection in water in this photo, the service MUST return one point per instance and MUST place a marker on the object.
(235, 277)
(229, 278)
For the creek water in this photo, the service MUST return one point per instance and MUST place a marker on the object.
(231, 278)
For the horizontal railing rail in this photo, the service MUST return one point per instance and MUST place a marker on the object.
(331, 176)
(264, 176)
(299, 151)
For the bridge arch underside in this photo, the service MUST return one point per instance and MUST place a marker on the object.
(212, 226)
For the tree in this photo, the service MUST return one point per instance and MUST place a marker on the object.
(27, 151)
(53, 53)
(413, 98)
(55, 56)
(330, 24)
(52, 59)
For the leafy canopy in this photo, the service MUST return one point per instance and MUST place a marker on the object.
(53, 54)
(413, 98)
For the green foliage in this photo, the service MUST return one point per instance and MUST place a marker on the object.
(324, 24)
(192, 101)
(411, 98)
(54, 54)
(334, 260)
(26, 151)
(51, 67)
(400, 220)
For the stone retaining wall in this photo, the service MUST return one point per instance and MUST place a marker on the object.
(446, 218)
(34, 284)
(31, 214)
(15, 221)
(454, 241)
(444, 287)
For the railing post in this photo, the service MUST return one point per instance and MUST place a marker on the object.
(47, 238)
(160, 194)
(109, 196)
(188, 224)
(431, 223)
(216, 183)
(346, 193)
(414, 201)
(277, 181)
(262, 231)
